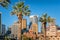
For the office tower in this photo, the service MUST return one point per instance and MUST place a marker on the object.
(34, 28)
(3, 29)
(24, 23)
(15, 28)
(34, 25)
(34, 19)
(0, 24)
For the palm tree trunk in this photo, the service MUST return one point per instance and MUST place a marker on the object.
(44, 29)
(20, 25)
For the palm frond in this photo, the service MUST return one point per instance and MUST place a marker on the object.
(20, 4)
(27, 13)
(41, 19)
(14, 12)
(20, 7)
(4, 3)
(26, 7)
(14, 7)
(52, 19)
(44, 15)
(1, 1)
(8, 1)
(49, 19)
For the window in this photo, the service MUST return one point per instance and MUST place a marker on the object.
(57, 38)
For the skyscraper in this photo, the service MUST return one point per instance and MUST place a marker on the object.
(34, 25)
(15, 29)
(34, 19)
(24, 25)
(3, 29)
(0, 23)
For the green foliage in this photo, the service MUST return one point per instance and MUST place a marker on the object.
(24, 37)
(4, 3)
(20, 7)
(46, 18)
(6, 38)
(49, 19)
(43, 18)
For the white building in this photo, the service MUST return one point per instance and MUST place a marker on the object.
(34, 19)
(14, 29)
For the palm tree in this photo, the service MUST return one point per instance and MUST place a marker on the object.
(50, 20)
(20, 10)
(43, 20)
(4, 3)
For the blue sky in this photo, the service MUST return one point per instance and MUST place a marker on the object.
(37, 7)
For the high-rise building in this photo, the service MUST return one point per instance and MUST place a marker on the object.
(34, 28)
(24, 23)
(3, 29)
(15, 27)
(52, 30)
(34, 25)
(34, 19)
(0, 24)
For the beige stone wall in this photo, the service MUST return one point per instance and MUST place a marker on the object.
(53, 31)
(50, 38)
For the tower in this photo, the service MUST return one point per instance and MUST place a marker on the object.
(34, 19)
(3, 29)
(53, 29)
(0, 24)
(24, 23)
(34, 26)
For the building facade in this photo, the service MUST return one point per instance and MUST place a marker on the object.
(34, 25)
(52, 33)
(34, 19)
(0, 24)
(15, 28)
(34, 28)
(24, 23)
(3, 29)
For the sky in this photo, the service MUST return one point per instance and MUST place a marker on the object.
(37, 7)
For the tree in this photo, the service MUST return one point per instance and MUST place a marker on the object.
(43, 20)
(50, 20)
(4, 3)
(20, 10)
(7, 34)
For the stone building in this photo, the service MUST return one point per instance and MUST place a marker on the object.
(15, 28)
(52, 33)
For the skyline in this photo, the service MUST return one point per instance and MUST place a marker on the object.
(37, 7)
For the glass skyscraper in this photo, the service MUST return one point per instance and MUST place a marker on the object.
(34, 19)
(34, 23)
